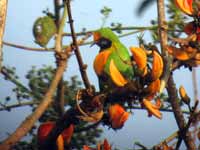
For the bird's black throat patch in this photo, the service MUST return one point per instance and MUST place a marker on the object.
(104, 43)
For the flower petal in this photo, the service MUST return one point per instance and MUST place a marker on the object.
(184, 53)
(117, 115)
(185, 6)
(140, 58)
(157, 66)
(152, 108)
(189, 28)
(85, 147)
(100, 61)
(67, 133)
(44, 130)
(106, 145)
(116, 76)
(60, 143)
(184, 95)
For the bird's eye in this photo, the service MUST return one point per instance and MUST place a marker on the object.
(39, 28)
(104, 43)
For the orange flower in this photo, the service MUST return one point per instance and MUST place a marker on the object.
(184, 95)
(191, 28)
(60, 143)
(115, 75)
(45, 129)
(157, 66)
(185, 6)
(106, 145)
(158, 103)
(67, 133)
(152, 109)
(184, 53)
(100, 146)
(117, 115)
(140, 58)
(100, 61)
(85, 147)
(153, 88)
(166, 147)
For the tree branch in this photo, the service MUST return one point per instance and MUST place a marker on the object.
(173, 98)
(171, 89)
(82, 66)
(59, 101)
(60, 98)
(9, 107)
(3, 12)
(167, 140)
(154, 27)
(191, 120)
(162, 24)
(136, 30)
(28, 48)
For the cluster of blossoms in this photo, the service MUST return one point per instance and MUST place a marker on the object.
(147, 66)
(64, 137)
(188, 52)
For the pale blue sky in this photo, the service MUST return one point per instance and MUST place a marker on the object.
(20, 18)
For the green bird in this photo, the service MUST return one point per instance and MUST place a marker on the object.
(44, 29)
(113, 63)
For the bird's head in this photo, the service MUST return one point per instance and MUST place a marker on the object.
(104, 38)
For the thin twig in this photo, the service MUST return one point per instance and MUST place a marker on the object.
(9, 107)
(51, 49)
(58, 43)
(117, 29)
(57, 12)
(168, 139)
(135, 28)
(161, 109)
(82, 66)
(126, 28)
(173, 98)
(28, 48)
(190, 120)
